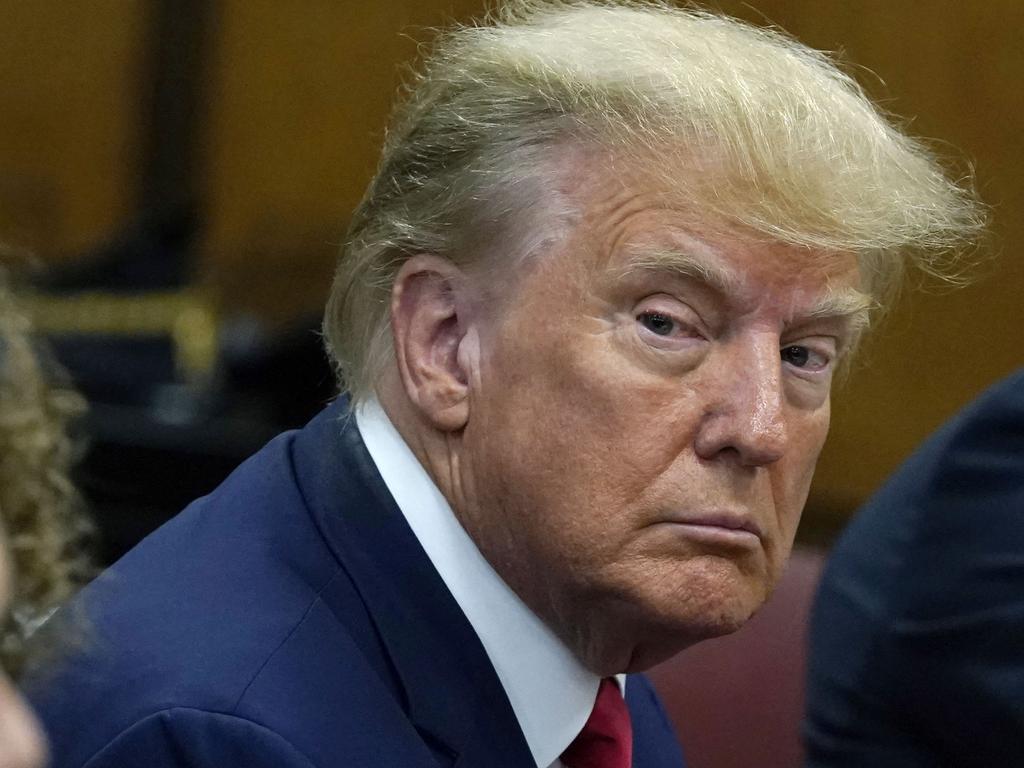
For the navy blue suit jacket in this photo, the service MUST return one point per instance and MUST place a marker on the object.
(917, 639)
(291, 619)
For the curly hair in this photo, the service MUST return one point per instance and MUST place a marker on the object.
(46, 528)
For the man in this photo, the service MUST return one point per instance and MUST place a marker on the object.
(588, 314)
(917, 642)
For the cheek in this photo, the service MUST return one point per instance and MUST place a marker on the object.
(793, 480)
(809, 450)
(589, 445)
(593, 419)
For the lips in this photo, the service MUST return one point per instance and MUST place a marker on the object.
(732, 522)
(724, 528)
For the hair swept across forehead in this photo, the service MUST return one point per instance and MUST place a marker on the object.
(758, 131)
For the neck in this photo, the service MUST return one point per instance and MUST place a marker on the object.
(593, 640)
(435, 450)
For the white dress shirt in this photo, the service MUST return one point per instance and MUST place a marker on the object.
(551, 693)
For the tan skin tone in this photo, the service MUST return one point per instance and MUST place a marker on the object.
(21, 741)
(629, 434)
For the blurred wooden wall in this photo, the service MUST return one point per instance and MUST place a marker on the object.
(71, 132)
(300, 93)
(294, 100)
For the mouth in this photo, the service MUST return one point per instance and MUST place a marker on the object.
(719, 528)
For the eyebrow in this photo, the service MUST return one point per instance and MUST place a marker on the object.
(715, 276)
(846, 304)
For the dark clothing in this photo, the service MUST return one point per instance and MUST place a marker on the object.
(917, 640)
(291, 619)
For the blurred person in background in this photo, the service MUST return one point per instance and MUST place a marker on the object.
(917, 635)
(588, 316)
(41, 525)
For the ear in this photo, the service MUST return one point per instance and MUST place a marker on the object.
(429, 301)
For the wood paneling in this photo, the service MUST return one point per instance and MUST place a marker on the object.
(70, 134)
(300, 96)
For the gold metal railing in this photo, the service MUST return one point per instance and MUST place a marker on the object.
(187, 317)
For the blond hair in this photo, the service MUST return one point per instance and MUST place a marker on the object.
(40, 512)
(778, 141)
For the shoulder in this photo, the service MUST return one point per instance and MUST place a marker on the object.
(978, 451)
(960, 494)
(176, 736)
(196, 617)
(921, 598)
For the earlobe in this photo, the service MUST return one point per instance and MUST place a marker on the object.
(429, 300)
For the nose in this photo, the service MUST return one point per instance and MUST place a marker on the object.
(746, 414)
(21, 741)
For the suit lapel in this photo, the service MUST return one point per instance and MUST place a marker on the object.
(449, 688)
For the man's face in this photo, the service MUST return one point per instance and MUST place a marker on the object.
(645, 423)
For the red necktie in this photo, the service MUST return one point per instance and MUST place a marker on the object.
(606, 741)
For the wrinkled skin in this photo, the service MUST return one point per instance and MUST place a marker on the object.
(631, 447)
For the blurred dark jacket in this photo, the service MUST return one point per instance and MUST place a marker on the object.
(917, 639)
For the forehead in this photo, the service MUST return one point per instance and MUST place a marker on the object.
(741, 270)
(633, 223)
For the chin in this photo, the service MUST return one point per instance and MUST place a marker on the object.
(638, 630)
(658, 642)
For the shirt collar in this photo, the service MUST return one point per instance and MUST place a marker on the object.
(551, 692)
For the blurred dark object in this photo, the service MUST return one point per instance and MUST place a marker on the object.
(153, 254)
(172, 441)
(178, 395)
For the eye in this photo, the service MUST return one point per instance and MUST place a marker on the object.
(803, 357)
(665, 323)
(797, 356)
(657, 323)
